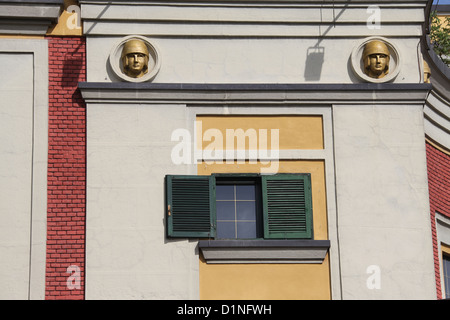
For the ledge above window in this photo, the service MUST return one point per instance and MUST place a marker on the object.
(263, 251)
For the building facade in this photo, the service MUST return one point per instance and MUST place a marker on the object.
(223, 150)
(436, 122)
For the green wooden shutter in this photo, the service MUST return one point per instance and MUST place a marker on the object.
(190, 207)
(287, 206)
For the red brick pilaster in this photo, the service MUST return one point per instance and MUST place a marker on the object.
(66, 170)
(438, 164)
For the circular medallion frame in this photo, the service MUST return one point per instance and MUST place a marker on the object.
(358, 63)
(154, 61)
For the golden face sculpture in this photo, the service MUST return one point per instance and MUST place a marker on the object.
(135, 58)
(376, 59)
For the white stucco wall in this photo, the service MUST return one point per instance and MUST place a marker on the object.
(23, 169)
(128, 257)
(16, 172)
(382, 200)
(301, 60)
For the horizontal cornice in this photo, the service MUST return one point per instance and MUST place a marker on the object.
(222, 93)
(272, 2)
(28, 17)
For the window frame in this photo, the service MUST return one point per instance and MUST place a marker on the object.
(261, 197)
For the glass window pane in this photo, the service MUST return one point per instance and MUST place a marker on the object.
(246, 229)
(236, 211)
(225, 210)
(245, 192)
(446, 266)
(226, 230)
(245, 210)
(225, 192)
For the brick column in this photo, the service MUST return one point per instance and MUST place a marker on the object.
(66, 170)
(438, 164)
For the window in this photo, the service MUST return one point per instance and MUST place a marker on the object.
(241, 206)
(238, 213)
(446, 273)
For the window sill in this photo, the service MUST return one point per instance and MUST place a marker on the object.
(264, 251)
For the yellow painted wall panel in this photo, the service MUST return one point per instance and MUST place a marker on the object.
(295, 132)
(265, 281)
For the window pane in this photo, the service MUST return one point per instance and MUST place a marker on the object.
(447, 265)
(246, 229)
(236, 211)
(246, 210)
(245, 192)
(226, 230)
(225, 192)
(225, 210)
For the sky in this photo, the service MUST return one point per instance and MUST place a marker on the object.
(441, 2)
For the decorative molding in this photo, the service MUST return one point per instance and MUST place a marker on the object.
(437, 119)
(28, 17)
(265, 94)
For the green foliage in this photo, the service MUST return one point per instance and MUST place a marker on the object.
(440, 37)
